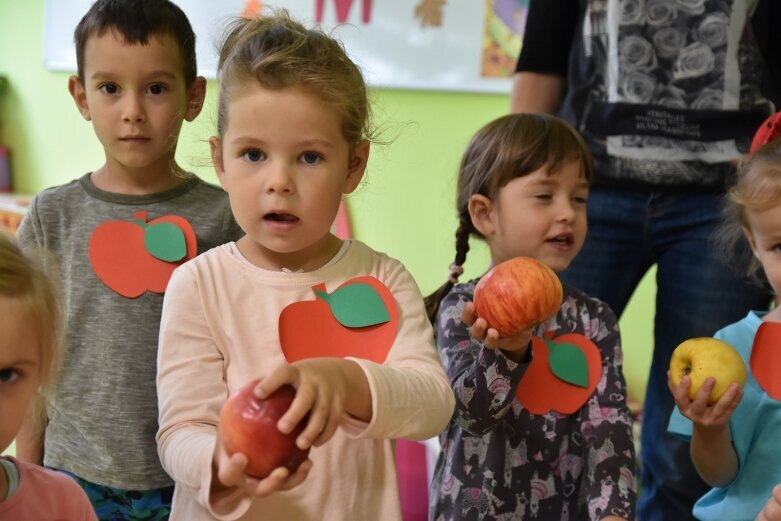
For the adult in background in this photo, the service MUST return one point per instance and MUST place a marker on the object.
(667, 94)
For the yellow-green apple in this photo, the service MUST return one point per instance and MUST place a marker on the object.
(517, 294)
(702, 357)
(248, 425)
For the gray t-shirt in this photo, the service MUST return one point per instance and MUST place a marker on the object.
(103, 416)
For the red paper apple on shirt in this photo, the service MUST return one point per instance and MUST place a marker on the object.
(358, 319)
(563, 373)
(133, 257)
(248, 425)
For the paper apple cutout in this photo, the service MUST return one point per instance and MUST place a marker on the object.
(516, 294)
(765, 358)
(133, 257)
(702, 357)
(248, 425)
(359, 319)
(768, 131)
(563, 374)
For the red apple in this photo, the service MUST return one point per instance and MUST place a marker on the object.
(122, 261)
(315, 328)
(517, 294)
(248, 425)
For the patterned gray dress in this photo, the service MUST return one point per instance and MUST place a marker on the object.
(499, 461)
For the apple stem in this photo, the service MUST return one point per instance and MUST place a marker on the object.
(140, 218)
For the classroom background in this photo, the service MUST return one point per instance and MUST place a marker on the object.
(405, 206)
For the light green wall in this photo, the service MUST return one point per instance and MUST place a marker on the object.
(404, 207)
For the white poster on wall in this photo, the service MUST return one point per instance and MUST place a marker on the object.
(460, 45)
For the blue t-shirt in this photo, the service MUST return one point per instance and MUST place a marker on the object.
(756, 427)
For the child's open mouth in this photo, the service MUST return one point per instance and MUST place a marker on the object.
(280, 217)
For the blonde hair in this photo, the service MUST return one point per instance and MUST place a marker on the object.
(758, 187)
(277, 52)
(23, 279)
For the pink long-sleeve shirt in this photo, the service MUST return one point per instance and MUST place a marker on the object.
(219, 330)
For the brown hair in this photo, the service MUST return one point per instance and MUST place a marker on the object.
(136, 21)
(23, 279)
(277, 52)
(509, 147)
(758, 187)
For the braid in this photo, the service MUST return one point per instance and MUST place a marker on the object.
(463, 232)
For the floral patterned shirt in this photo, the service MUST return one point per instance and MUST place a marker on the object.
(499, 461)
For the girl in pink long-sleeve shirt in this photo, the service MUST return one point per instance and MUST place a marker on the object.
(293, 137)
(30, 322)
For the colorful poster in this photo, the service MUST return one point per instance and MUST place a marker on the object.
(504, 24)
(412, 44)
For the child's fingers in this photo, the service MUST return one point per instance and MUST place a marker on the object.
(491, 339)
(230, 469)
(681, 392)
(334, 420)
(306, 396)
(299, 476)
(479, 329)
(468, 315)
(701, 400)
(318, 418)
(271, 483)
(284, 374)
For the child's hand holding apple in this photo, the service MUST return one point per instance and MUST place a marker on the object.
(251, 451)
(509, 301)
(514, 346)
(706, 378)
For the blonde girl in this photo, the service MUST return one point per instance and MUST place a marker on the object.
(30, 352)
(522, 188)
(734, 441)
(293, 137)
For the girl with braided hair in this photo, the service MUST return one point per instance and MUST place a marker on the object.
(523, 186)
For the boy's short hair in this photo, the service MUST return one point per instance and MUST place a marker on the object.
(136, 21)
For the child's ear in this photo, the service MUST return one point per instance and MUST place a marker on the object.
(195, 97)
(79, 95)
(751, 240)
(481, 211)
(357, 166)
(216, 151)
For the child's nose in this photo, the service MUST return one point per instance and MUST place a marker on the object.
(133, 109)
(566, 211)
(280, 179)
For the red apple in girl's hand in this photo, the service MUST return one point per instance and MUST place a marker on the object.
(249, 425)
(517, 294)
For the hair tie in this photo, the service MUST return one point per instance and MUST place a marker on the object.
(455, 272)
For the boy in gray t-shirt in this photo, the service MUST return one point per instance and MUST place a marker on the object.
(116, 234)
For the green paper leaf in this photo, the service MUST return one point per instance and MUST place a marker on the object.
(356, 305)
(568, 362)
(165, 241)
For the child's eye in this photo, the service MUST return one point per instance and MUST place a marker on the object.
(8, 375)
(157, 89)
(580, 199)
(253, 156)
(311, 158)
(544, 196)
(109, 88)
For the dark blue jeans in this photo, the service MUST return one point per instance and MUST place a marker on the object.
(629, 231)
